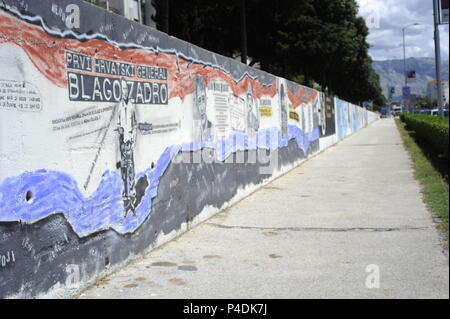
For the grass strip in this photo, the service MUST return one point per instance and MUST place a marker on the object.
(434, 185)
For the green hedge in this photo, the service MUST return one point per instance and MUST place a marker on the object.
(430, 129)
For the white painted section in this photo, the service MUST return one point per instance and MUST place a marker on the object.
(326, 142)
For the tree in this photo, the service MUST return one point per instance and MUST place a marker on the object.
(311, 40)
(426, 103)
(162, 16)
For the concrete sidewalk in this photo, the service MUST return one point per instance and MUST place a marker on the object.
(309, 234)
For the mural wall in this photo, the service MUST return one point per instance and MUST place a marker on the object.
(115, 137)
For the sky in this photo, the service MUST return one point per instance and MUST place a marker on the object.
(386, 18)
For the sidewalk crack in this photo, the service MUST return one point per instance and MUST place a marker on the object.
(322, 229)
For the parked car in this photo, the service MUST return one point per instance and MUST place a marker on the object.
(435, 112)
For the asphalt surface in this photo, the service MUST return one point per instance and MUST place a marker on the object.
(348, 223)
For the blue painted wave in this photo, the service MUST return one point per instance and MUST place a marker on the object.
(355, 123)
(342, 114)
(57, 192)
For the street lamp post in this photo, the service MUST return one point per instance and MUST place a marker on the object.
(437, 49)
(404, 59)
(243, 31)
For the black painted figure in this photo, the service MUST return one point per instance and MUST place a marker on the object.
(126, 127)
(202, 126)
(252, 114)
(323, 114)
(316, 112)
(283, 111)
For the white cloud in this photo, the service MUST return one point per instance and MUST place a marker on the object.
(386, 18)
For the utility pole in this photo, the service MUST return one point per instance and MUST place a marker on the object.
(163, 15)
(404, 63)
(437, 50)
(404, 71)
(139, 5)
(243, 32)
(149, 12)
(404, 58)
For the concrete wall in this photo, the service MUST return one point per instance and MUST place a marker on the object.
(115, 138)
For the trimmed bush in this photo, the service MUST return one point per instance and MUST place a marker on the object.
(431, 129)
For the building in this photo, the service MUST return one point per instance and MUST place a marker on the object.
(432, 91)
(137, 10)
(412, 100)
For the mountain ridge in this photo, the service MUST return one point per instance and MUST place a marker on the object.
(391, 73)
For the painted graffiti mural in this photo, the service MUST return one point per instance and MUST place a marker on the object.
(115, 137)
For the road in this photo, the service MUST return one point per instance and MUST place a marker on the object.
(348, 223)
